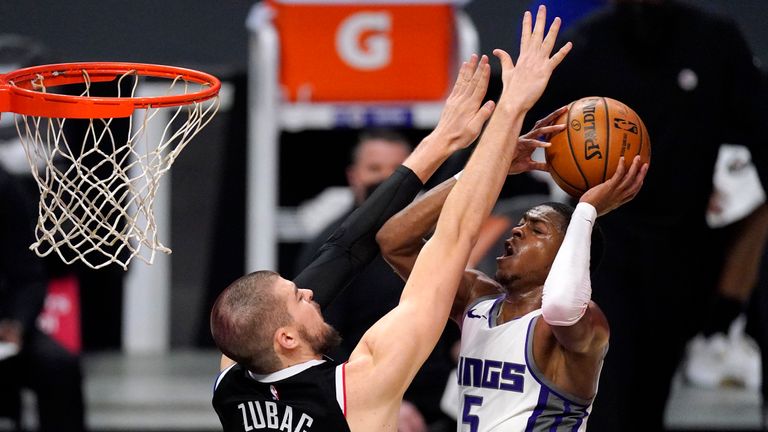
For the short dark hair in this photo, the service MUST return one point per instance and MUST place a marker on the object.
(383, 134)
(244, 319)
(597, 247)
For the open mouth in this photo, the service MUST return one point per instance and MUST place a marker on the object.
(508, 252)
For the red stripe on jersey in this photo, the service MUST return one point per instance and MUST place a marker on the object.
(344, 385)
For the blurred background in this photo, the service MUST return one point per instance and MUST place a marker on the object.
(148, 362)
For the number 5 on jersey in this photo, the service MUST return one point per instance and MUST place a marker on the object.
(467, 417)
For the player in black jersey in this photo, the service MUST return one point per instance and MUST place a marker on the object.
(344, 254)
(273, 327)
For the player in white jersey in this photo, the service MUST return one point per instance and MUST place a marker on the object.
(532, 342)
(500, 387)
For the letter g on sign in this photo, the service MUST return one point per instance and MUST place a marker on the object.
(362, 40)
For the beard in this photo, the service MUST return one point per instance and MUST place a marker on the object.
(504, 278)
(321, 343)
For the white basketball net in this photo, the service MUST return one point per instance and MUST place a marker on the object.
(97, 190)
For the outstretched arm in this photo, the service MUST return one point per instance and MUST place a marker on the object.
(353, 245)
(391, 352)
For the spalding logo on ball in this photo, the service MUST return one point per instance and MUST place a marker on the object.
(600, 130)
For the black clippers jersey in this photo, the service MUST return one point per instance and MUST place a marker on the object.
(303, 398)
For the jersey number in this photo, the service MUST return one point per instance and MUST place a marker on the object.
(471, 419)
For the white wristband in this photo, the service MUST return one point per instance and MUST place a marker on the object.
(568, 288)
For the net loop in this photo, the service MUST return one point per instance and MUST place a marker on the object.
(98, 177)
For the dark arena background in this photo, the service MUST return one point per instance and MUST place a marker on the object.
(147, 355)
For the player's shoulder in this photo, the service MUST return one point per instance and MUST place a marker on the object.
(228, 382)
(230, 371)
(480, 285)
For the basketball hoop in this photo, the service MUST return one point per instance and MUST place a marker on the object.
(98, 175)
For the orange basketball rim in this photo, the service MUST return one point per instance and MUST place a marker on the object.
(24, 91)
(98, 180)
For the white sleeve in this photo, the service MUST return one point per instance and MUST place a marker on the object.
(568, 289)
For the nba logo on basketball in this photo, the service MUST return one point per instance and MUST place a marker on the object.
(600, 131)
(622, 124)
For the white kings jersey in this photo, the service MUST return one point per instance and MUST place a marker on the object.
(500, 387)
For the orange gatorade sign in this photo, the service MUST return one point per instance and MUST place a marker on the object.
(364, 51)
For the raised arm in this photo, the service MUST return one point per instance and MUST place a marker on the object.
(573, 335)
(353, 245)
(577, 324)
(391, 352)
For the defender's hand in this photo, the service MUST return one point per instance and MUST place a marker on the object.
(463, 117)
(536, 138)
(525, 81)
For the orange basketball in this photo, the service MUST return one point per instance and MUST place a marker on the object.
(600, 130)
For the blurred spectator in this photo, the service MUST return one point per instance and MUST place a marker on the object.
(30, 358)
(722, 353)
(691, 76)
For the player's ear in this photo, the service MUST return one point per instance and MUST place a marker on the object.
(286, 338)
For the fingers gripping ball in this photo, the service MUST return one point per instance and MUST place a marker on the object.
(600, 130)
